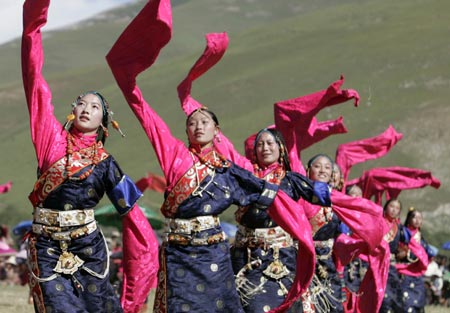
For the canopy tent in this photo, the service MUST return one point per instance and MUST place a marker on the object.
(108, 216)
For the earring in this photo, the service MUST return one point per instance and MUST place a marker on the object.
(217, 137)
(115, 124)
(105, 130)
(69, 120)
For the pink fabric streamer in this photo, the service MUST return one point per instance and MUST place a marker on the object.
(351, 153)
(362, 216)
(372, 288)
(293, 117)
(317, 131)
(294, 221)
(152, 182)
(216, 45)
(134, 51)
(140, 263)
(5, 187)
(419, 267)
(392, 180)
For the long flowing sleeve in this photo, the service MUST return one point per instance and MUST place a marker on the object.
(317, 131)
(419, 266)
(293, 117)
(140, 262)
(362, 216)
(373, 285)
(392, 180)
(216, 45)
(291, 217)
(46, 131)
(135, 51)
(4, 188)
(351, 153)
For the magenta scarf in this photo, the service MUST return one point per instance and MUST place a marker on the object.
(419, 267)
(294, 117)
(392, 180)
(351, 153)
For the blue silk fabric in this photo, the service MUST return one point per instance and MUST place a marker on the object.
(200, 278)
(413, 292)
(295, 186)
(96, 294)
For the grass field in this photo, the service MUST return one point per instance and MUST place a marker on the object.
(14, 299)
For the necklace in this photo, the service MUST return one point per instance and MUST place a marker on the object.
(275, 176)
(94, 156)
(211, 159)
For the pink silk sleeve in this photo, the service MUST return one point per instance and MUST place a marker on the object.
(5, 187)
(134, 51)
(392, 180)
(216, 45)
(293, 117)
(419, 267)
(372, 289)
(152, 182)
(318, 131)
(140, 260)
(46, 132)
(290, 216)
(351, 153)
(362, 216)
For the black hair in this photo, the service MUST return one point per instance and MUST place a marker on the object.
(311, 161)
(391, 200)
(204, 109)
(101, 132)
(281, 143)
(412, 212)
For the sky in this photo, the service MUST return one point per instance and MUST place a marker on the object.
(61, 13)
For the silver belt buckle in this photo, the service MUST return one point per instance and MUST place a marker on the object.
(68, 263)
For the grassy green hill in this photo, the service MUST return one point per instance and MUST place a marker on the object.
(396, 54)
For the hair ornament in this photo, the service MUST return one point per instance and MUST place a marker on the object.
(69, 120)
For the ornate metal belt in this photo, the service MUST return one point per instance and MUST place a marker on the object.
(193, 225)
(63, 218)
(58, 233)
(263, 237)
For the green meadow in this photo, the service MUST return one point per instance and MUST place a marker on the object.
(395, 54)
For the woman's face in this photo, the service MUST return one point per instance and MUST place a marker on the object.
(88, 113)
(416, 221)
(267, 149)
(321, 170)
(355, 192)
(201, 129)
(393, 210)
(336, 176)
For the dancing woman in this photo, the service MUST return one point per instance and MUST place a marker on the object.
(68, 255)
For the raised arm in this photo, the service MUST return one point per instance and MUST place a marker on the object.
(135, 51)
(45, 129)
(293, 117)
(216, 45)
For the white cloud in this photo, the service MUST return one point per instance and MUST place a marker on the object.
(61, 13)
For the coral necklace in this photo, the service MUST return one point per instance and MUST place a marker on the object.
(94, 156)
(211, 159)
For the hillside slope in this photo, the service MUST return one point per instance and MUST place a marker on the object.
(395, 54)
